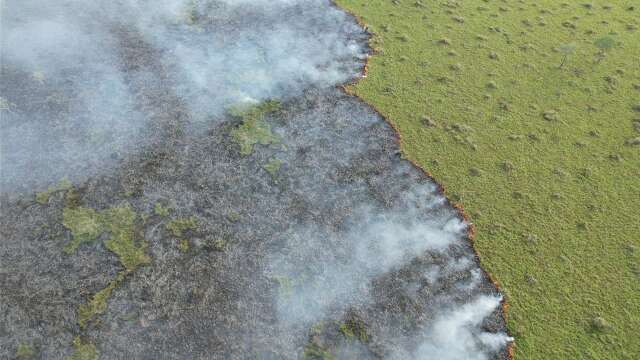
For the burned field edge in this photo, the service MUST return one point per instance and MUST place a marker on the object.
(349, 88)
(396, 62)
(471, 232)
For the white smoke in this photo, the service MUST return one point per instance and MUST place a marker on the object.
(372, 249)
(328, 273)
(75, 98)
(456, 334)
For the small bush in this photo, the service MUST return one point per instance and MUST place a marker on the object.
(427, 121)
(475, 172)
(550, 115)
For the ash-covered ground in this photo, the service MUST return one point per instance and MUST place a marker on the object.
(220, 197)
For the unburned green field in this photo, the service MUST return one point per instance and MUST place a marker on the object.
(528, 112)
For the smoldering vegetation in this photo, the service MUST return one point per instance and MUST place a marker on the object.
(320, 243)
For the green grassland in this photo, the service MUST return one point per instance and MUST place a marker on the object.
(528, 112)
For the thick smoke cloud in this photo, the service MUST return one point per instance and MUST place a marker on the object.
(128, 99)
(376, 242)
(80, 112)
(379, 241)
(455, 335)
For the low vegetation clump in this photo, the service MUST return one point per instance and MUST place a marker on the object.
(184, 245)
(161, 210)
(83, 350)
(354, 328)
(119, 221)
(273, 166)
(98, 303)
(86, 225)
(314, 351)
(218, 244)
(42, 198)
(562, 71)
(177, 227)
(253, 129)
(600, 324)
(25, 351)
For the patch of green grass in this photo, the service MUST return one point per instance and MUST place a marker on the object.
(184, 245)
(317, 328)
(273, 166)
(72, 198)
(25, 351)
(216, 244)
(354, 329)
(120, 223)
(85, 225)
(219, 244)
(549, 90)
(98, 303)
(177, 227)
(83, 350)
(253, 130)
(234, 216)
(161, 210)
(316, 352)
(42, 198)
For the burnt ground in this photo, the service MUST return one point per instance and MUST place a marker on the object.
(345, 249)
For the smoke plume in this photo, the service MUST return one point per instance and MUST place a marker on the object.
(71, 97)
